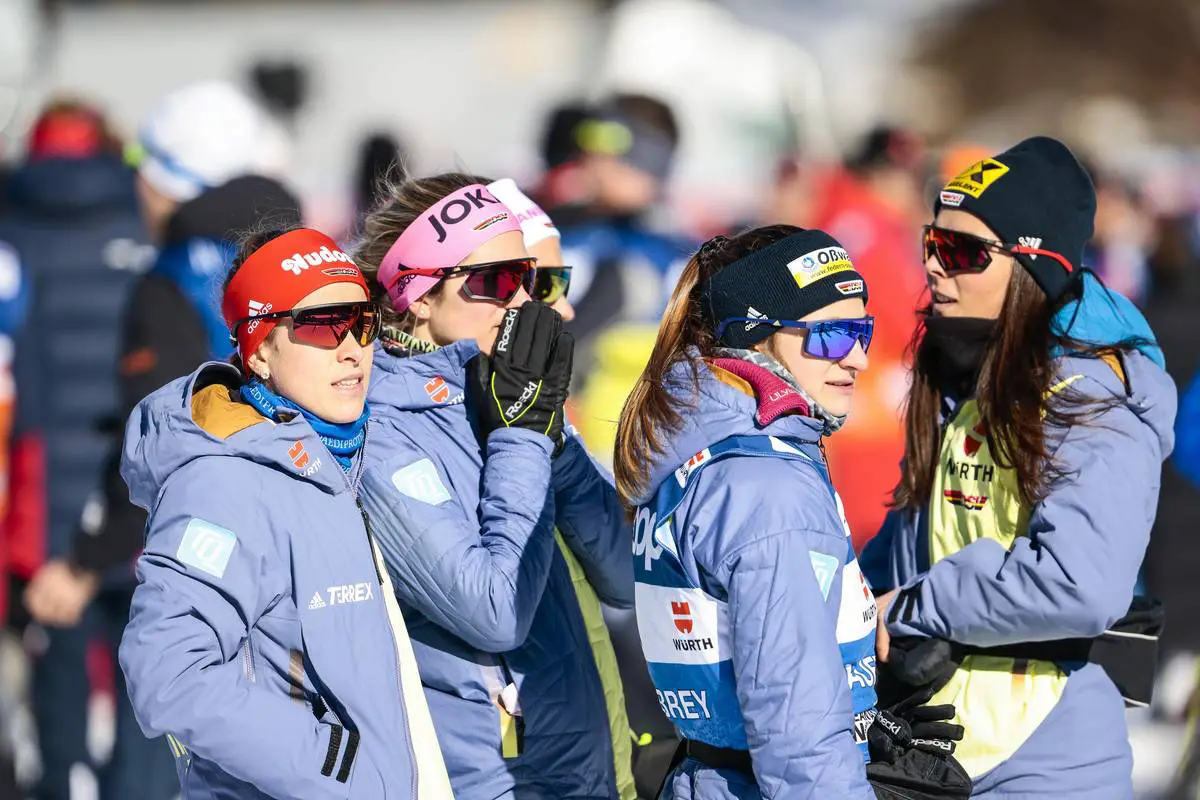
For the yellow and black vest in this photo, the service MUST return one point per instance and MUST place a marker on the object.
(999, 701)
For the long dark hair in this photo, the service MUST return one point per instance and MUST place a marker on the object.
(654, 408)
(1013, 392)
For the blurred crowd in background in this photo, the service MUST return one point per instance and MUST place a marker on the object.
(643, 127)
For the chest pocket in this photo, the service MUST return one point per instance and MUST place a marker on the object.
(1000, 702)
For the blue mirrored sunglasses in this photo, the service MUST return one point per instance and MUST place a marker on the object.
(831, 339)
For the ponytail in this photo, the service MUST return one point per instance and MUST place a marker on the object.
(651, 409)
(654, 409)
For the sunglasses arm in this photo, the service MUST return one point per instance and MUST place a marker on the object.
(1020, 249)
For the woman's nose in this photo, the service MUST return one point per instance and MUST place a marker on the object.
(519, 299)
(856, 359)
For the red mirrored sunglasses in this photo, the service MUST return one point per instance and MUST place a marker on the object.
(494, 281)
(326, 326)
(960, 252)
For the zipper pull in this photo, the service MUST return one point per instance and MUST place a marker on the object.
(370, 539)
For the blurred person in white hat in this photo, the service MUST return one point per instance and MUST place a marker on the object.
(199, 138)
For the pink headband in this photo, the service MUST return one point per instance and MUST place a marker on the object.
(449, 231)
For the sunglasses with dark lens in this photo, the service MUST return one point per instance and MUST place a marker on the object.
(326, 326)
(829, 339)
(494, 281)
(550, 284)
(960, 252)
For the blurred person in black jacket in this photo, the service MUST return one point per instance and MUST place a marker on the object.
(201, 156)
(73, 221)
(607, 168)
(381, 158)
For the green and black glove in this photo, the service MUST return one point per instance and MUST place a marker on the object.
(524, 383)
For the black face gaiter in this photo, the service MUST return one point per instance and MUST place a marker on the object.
(955, 347)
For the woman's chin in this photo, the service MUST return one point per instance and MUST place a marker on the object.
(837, 403)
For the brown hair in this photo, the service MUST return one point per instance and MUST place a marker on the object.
(1013, 393)
(400, 206)
(654, 408)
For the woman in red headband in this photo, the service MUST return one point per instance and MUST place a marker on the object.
(264, 638)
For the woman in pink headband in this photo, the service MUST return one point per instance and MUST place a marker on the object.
(472, 475)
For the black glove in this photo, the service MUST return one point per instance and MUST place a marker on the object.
(918, 775)
(524, 383)
(901, 769)
(916, 670)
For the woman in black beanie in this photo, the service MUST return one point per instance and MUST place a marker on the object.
(1037, 421)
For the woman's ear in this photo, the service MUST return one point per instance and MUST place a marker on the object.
(421, 308)
(258, 364)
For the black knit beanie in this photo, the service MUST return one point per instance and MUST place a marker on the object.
(788, 279)
(1035, 194)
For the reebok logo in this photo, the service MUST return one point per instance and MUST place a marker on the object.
(751, 311)
(514, 411)
(298, 263)
(316, 602)
(1034, 242)
(889, 724)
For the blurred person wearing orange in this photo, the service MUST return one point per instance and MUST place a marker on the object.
(1120, 250)
(874, 207)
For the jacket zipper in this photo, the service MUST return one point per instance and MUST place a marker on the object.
(248, 659)
(412, 755)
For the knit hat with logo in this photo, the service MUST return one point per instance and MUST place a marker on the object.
(1034, 195)
(788, 279)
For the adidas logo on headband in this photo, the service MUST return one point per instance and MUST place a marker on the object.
(298, 263)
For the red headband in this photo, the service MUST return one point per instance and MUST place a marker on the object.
(280, 274)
